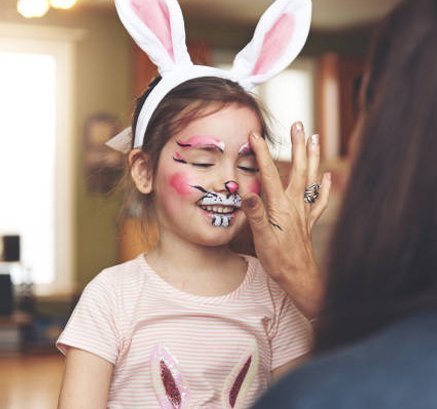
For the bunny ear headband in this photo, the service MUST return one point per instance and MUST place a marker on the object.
(157, 26)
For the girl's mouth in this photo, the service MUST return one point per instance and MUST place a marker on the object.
(221, 216)
(219, 207)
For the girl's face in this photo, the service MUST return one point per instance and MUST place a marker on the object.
(203, 171)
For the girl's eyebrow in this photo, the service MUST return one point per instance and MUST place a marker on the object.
(246, 150)
(203, 143)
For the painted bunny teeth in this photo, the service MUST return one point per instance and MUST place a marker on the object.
(219, 209)
(221, 220)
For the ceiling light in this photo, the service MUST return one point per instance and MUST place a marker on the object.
(32, 8)
(62, 4)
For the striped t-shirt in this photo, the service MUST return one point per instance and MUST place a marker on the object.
(171, 349)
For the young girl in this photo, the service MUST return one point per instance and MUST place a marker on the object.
(189, 324)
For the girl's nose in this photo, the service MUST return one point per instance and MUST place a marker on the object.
(231, 186)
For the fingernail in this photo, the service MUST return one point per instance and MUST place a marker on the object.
(315, 139)
(299, 126)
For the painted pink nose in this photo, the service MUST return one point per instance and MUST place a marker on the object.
(231, 186)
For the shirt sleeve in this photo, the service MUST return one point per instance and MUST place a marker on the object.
(291, 333)
(92, 326)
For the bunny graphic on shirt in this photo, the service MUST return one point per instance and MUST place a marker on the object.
(172, 389)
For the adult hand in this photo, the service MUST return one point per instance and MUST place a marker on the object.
(282, 227)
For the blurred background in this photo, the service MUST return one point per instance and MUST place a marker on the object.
(69, 76)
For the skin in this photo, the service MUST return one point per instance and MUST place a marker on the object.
(286, 253)
(189, 243)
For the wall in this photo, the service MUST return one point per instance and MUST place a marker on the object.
(103, 68)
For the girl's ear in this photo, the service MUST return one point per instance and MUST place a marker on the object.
(141, 171)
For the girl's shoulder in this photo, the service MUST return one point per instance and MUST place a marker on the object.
(130, 273)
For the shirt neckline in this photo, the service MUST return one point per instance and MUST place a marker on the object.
(233, 295)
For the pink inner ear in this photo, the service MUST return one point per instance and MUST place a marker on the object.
(275, 43)
(154, 14)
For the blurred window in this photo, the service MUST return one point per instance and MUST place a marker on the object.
(289, 97)
(36, 157)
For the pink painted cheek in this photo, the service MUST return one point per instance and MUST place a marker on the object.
(179, 182)
(255, 187)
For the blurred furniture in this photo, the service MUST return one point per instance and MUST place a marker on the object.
(12, 332)
(6, 295)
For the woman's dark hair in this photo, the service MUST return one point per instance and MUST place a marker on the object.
(383, 256)
(190, 100)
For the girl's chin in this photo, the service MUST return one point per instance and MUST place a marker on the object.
(218, 236)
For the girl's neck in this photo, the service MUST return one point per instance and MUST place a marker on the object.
(196, 269)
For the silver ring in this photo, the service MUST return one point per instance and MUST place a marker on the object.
(311, 193)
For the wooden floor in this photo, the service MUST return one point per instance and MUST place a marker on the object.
(30, 382)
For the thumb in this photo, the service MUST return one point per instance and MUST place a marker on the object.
(255, 212)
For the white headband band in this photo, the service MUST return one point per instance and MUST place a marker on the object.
(157, 26)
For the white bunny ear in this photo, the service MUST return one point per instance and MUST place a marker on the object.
(279, 37)
(157, 26)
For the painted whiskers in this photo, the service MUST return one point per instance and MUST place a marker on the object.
(221, 206)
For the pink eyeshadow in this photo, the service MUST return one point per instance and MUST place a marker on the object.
(199, 141)
(179, 182)
(245, 149)
(178, 156)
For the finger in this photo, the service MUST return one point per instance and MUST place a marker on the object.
(253, 207)
(270, 180)
(313, 159)
(298, 171)
(321, 203)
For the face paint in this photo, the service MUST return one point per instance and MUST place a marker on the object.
(255, 187)
(220, 208)
(190, 198)
(245, 150)
(179, 182)
(231, 186)
(202, 142)
(178, 158)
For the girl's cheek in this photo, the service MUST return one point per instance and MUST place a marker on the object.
(255, 187)
(180, 182)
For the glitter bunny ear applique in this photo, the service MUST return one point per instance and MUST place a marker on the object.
(169, 384)
(240, 379)
(157, 26)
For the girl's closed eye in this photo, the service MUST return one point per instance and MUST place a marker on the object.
(194, 160)
(202, 164)
(250, 169)
(201, 159)
(248, 165)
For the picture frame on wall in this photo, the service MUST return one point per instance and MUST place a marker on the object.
(103, 166)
